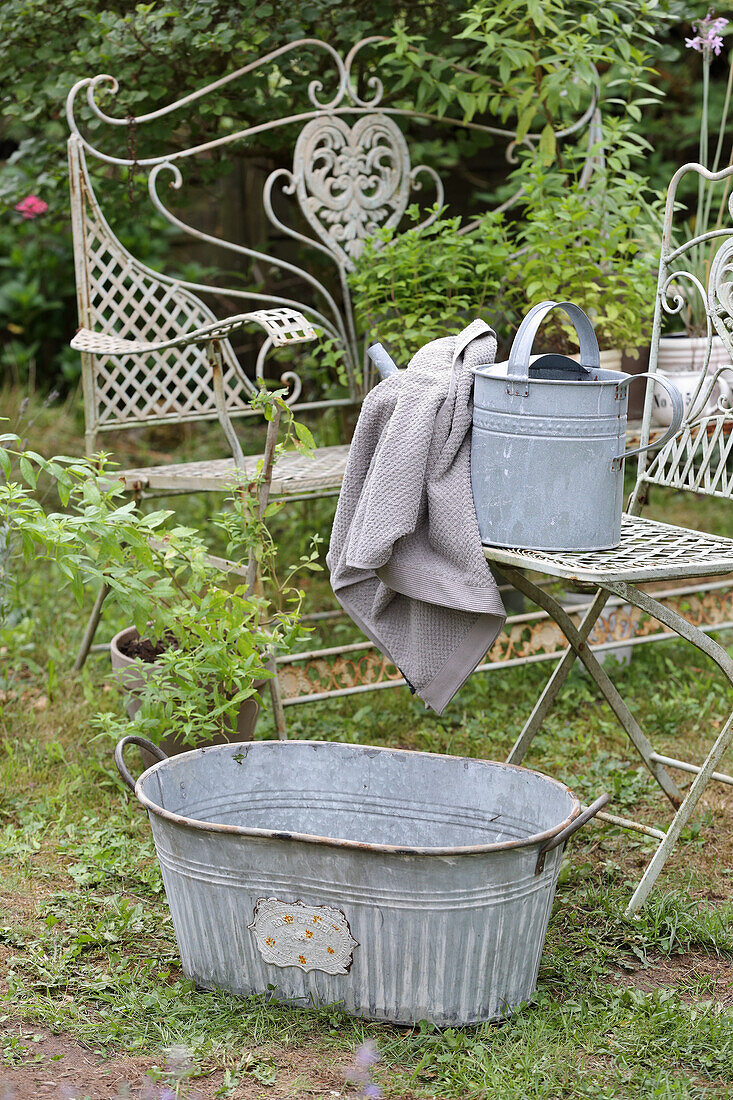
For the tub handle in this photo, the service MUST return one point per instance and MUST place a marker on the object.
(678, 411)
(141, 742)
(568, 831)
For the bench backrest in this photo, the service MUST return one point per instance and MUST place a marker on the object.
(351, 173)
(698, 272)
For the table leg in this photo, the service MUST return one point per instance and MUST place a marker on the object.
(712, 649)
(560, 674)
(601, 678)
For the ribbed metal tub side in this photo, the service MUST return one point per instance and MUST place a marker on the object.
(451, 940)
(430, 928)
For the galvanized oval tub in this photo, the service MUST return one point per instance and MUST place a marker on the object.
(547, 449)
(403, 885)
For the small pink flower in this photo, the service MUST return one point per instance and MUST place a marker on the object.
(31, 206)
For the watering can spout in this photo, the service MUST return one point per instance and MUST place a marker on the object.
(382, 360)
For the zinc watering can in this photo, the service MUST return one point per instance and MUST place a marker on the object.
(547, 453)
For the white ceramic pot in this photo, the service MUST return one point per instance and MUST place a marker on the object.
(687, 383)
(681, 352)
(610, 358)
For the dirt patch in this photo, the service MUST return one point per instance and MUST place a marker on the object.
(710, 852)
(144, 649)
(56, 1066)
(695, 977)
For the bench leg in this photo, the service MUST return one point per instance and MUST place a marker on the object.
(560, 674)
(277, 707)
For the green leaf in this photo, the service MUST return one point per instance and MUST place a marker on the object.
(304, 434)
(525, 121)
(28, 472)
(547, 145)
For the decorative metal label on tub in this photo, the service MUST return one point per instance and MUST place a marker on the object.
(312, 937)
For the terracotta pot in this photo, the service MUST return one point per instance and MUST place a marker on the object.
(128, 673)
(636, 363)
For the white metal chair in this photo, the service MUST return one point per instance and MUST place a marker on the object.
(698, 459)
(154, 353)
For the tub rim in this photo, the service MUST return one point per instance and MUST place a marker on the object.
(339, 842)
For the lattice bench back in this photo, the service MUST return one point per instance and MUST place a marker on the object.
(699, 458)
(117, 294)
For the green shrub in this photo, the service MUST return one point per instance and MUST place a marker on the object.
(429, 282)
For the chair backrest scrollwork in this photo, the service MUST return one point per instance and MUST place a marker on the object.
(351, 174)
(696, 274)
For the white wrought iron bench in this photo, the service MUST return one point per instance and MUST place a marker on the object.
(351, 172)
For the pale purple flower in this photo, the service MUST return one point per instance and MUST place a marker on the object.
(708, 37)
(359, 1073)
(367, 1054)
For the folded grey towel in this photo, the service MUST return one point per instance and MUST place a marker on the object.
(405, 558)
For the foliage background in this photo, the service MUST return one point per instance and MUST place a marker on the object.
(45, 47)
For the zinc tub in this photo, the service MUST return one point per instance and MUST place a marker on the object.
(402, 885)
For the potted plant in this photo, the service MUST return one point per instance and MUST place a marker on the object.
(212, 625)
(430, 281)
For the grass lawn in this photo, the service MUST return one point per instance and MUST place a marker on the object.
(91, 991)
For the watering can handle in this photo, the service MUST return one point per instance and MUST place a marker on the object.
(678, 411)
(143, 743)
(527, 331)
(568, 831)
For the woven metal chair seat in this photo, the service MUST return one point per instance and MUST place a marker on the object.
(648, 551)
(293, 474)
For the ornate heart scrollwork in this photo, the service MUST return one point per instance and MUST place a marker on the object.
(720, 292)
(351, 180)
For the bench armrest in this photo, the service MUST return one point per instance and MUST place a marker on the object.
(283, 326)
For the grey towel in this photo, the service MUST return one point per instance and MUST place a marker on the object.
(405, 557)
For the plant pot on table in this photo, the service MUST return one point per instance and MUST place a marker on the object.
(131, 676)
